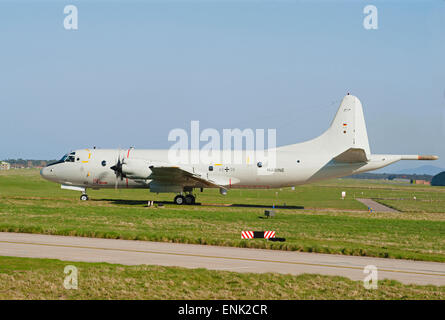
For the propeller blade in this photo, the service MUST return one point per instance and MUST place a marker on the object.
(117, 168)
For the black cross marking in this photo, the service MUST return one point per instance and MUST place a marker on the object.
(227, 169)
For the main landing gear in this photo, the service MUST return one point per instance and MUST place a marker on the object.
(188, 199)
(84, 197)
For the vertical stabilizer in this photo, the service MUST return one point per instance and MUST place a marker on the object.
(347, 130)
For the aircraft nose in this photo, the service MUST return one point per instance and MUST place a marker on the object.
(44, 172)
(47, 173)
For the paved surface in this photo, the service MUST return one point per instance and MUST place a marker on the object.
(218, 258)
(377, 207)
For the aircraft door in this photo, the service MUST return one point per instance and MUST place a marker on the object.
(84, 160)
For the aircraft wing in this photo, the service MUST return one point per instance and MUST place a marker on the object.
(352, 155)
(177, 176)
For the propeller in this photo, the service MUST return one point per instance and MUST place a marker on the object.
(117, 168)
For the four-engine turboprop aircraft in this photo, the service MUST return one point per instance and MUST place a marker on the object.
(340, 151)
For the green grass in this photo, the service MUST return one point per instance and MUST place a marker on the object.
(327, 224)
(411, 205)
(402, 197)
(26, 278)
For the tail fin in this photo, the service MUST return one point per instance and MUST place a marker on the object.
(347, 130)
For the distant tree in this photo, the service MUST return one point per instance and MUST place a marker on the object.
(368, 175)
(438, 179)
(28, 162)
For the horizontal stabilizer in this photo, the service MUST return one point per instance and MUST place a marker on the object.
(352, 155)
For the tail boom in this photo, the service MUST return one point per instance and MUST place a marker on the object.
(418, 157)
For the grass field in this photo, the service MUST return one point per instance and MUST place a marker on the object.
(326, 224)
(24, 278)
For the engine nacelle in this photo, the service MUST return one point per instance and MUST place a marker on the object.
(136, 168)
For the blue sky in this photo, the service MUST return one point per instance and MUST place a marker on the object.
(135, 70)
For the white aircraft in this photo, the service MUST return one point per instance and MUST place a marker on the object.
(340, 151)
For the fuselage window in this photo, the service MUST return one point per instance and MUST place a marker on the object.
(104, 163)
(210, 168)
(259, 164)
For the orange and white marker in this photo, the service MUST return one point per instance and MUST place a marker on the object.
(257, 234)
(246, 234)
(269, 234)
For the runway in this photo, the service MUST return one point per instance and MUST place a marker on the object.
(129, 252)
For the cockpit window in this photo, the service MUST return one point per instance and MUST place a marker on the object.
(68, 157)
(71, 157)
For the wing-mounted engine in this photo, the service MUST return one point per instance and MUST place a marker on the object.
(132, 168)
(164, 177)
(136, 168)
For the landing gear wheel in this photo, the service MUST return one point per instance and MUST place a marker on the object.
(190, 199)
(84, 197)
(179, 200)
